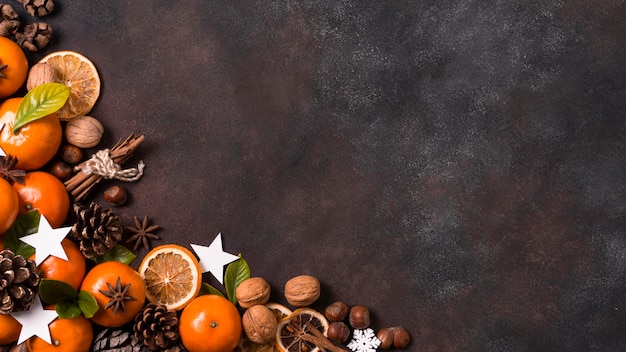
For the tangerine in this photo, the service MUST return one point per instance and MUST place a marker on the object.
(119, 291)
(9, 329)
(9, 205)
(35, 143)
(210, 323)
(43, 192)
(74, 335)
(13, 67)
(71, 271)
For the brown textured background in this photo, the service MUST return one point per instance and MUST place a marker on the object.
(456, 166)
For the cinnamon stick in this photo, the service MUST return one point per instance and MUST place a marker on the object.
(81, 183)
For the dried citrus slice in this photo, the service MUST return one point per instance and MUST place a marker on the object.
(280, 311)
(172, 276)
(79, 73)
(294, 332)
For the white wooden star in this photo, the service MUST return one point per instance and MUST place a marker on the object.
(2, 153)
(47, 241)
(213, 258)
(35, 322)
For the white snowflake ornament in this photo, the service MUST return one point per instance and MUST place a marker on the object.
(364, 340)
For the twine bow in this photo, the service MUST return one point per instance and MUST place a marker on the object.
(102, 164)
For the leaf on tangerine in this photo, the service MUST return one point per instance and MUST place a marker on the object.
(40, 101)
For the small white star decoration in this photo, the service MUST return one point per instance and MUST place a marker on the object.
(364, 340)
(2, 153)
(47, 241)
(213, 258)
(35, 321)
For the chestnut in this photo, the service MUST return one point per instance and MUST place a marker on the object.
(337, 311)
(359, 317)
(338, 332)
(115, 195)
(397, 336)
(61, 170)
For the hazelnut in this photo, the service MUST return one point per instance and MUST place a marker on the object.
(116, 195)
(338, 332)
(259, 324)
(303, 290)
(39, 74)
(337, 311)
(61, 170)
(252, 291)
(71, 154)
(386, 338)
(84, 131)
(401, 337)
(397, 336)
(359, 317)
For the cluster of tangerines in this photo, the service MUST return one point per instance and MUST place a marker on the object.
(31, 134)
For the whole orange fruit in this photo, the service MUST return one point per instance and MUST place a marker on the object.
(71, 271)
(9, 205)
(45, 193)
(35, 143)
(74, 335)
(119, 290)
(9, 329)
(13, 67)
(210, 323)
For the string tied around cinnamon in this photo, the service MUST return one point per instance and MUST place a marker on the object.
(102, 164)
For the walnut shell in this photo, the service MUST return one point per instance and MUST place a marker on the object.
(252, 291)
(84, 131)
(302, 290)
(259, 324)
(39, 74)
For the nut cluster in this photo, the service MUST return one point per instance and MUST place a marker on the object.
(33, 36)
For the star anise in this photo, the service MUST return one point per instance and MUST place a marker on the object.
(142, 233)
(8, 171)
(118, 296)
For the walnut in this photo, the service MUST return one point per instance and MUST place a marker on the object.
(84, 131)
(252, 291)
(302, 290)
(259, 324)
(39, 74)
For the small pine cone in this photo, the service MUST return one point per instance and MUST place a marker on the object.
(35, 36)
(38, 8)
(156, 327)
(114, 340)
(19, 282)
(9, 21)
(96, 230)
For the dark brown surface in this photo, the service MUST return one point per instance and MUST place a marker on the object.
(456, 166)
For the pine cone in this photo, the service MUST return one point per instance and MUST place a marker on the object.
(113, 340)
(156, 327)
(96, 230)
(35, 36)
(19, 282)
(38, 8)
(9, 21)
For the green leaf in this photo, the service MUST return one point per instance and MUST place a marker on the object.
(236, 272)
(118, 253)
(41, 101)
(87, 304)
(206, 289)
(25, 224)
(67, 310)
(55, 292)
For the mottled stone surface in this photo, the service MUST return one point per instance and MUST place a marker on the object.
(457, 166)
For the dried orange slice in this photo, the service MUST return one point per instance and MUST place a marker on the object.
(172, 276)
(280, 311)
(79, 73)
(294, 332)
